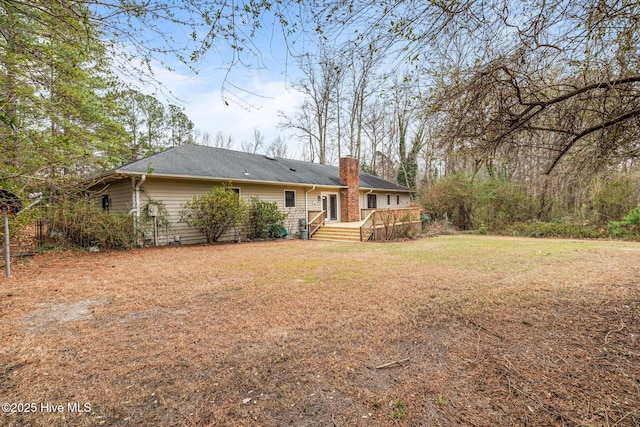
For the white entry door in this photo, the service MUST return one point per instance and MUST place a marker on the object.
(330, 206)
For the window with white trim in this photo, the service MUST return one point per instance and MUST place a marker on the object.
(289, 199)
(372, 201)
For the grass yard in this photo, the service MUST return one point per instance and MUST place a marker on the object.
(484, 331)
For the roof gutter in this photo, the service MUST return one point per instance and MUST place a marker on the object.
(121, 174)
(388, 190)
(232, 180)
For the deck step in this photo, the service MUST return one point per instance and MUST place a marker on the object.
(337, 234)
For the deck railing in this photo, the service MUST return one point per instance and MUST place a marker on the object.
(385, 224)
(368, 226)
(316, 220)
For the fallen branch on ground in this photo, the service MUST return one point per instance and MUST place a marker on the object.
(479, 326)
(606, 337)
(396, 362)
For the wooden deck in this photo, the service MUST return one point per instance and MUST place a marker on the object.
(376, 224)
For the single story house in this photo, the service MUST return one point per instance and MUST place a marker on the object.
(301, 189)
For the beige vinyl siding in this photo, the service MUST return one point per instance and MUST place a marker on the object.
(314, 198)
(174, 193)
(405, 199)
(120, 195)
(275, 193)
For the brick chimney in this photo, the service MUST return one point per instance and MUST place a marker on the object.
(350, 196)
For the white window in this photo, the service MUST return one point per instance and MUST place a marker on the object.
(289, 199)
(372, 201)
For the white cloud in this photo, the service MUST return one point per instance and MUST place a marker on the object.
(236, 108)
(259, 108)
(253, 97)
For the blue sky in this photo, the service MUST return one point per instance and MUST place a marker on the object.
(250, 95)
(246, 101)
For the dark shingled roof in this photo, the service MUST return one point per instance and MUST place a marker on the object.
(197, 161)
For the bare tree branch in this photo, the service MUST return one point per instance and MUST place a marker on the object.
(601, 126)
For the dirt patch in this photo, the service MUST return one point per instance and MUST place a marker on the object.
(49, 315)
(491, 331)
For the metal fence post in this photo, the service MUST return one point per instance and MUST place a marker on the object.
(7, 261)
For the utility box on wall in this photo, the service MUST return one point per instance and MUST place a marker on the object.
(153, 210)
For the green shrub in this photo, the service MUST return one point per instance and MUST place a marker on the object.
(214, 213)
(628, 228)
(483, 229)
(633, 218)
(616, 198)
(83, 224)
(500, 203)
(265, 220)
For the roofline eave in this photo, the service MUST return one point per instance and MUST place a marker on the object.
(124, 174)
(389, 190)
(120, 174)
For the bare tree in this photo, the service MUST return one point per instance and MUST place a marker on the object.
(316, 113)
(560, 75)
(222, 141)
(277, 148)
(256, 144)
(361, 86)
(201, 137)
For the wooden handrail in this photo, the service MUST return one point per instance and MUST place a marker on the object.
(364, 225)
(316, 217)
(312, 226)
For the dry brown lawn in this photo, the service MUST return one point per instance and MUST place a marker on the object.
(486, 331)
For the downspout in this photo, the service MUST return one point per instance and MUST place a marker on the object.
(136, 201)
(138, 187)
(306, 205)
